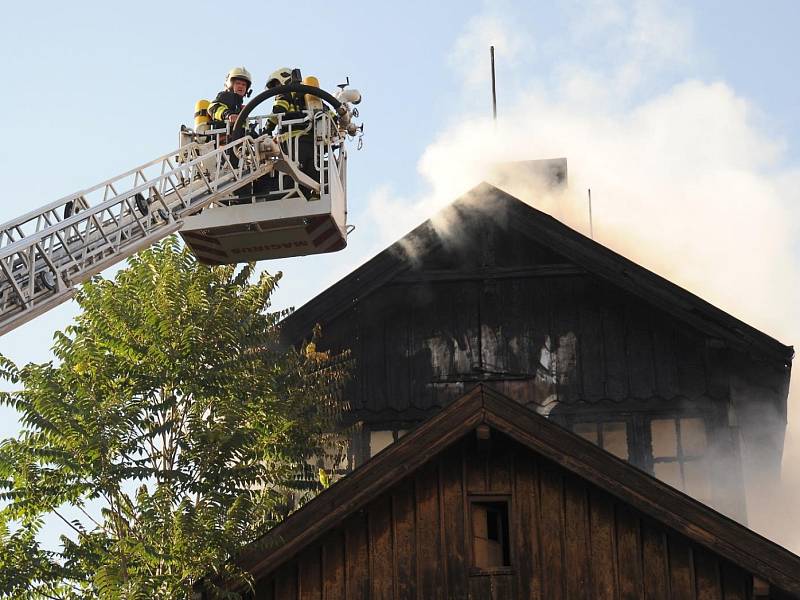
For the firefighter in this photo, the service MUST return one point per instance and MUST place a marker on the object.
(226, 108)
(228, 103)
(291, 106)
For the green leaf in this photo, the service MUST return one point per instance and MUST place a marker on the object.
(171, 428)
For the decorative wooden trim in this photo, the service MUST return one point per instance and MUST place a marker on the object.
(496, 273)
(476, 572)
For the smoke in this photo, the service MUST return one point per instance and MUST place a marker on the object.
(685, 180)
(684, 184)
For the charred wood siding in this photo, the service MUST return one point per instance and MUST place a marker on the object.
(514, 300)
(496, 291)
(541, 339)
(568, 540)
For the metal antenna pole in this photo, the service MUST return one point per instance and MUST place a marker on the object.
(591, 226)
(494, 89)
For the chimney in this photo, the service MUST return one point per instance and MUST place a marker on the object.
(548, 175)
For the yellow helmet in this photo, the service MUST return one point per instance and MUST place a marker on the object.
(238, 73)
(283, 76)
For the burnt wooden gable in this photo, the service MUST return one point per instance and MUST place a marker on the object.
(581, 523)
(494, 290)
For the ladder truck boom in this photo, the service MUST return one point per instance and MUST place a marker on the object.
(46, 253)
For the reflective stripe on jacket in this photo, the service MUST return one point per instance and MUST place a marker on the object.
(291, 106)
(226, 103)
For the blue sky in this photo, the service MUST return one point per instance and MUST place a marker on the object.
(96, 89)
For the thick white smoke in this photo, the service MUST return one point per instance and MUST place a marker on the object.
(684, 181)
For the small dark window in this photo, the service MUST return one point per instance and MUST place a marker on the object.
(490, 545)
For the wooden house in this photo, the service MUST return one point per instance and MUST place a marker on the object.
(493, 291)
(489, 500)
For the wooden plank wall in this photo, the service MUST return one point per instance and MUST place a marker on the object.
(541, 339)
(568, 540)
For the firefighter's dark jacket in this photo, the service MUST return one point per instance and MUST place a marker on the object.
(226, 103)
(290, 105)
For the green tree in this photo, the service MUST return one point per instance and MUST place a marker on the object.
(166, 435)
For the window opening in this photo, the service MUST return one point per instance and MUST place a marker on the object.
(611, 436)
(490, 543)
(378, 440)
(679, 447)
(382, 438)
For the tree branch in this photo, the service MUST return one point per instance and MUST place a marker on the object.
(75, 529)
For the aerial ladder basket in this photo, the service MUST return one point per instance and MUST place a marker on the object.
(212, 193)
(300, 206)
